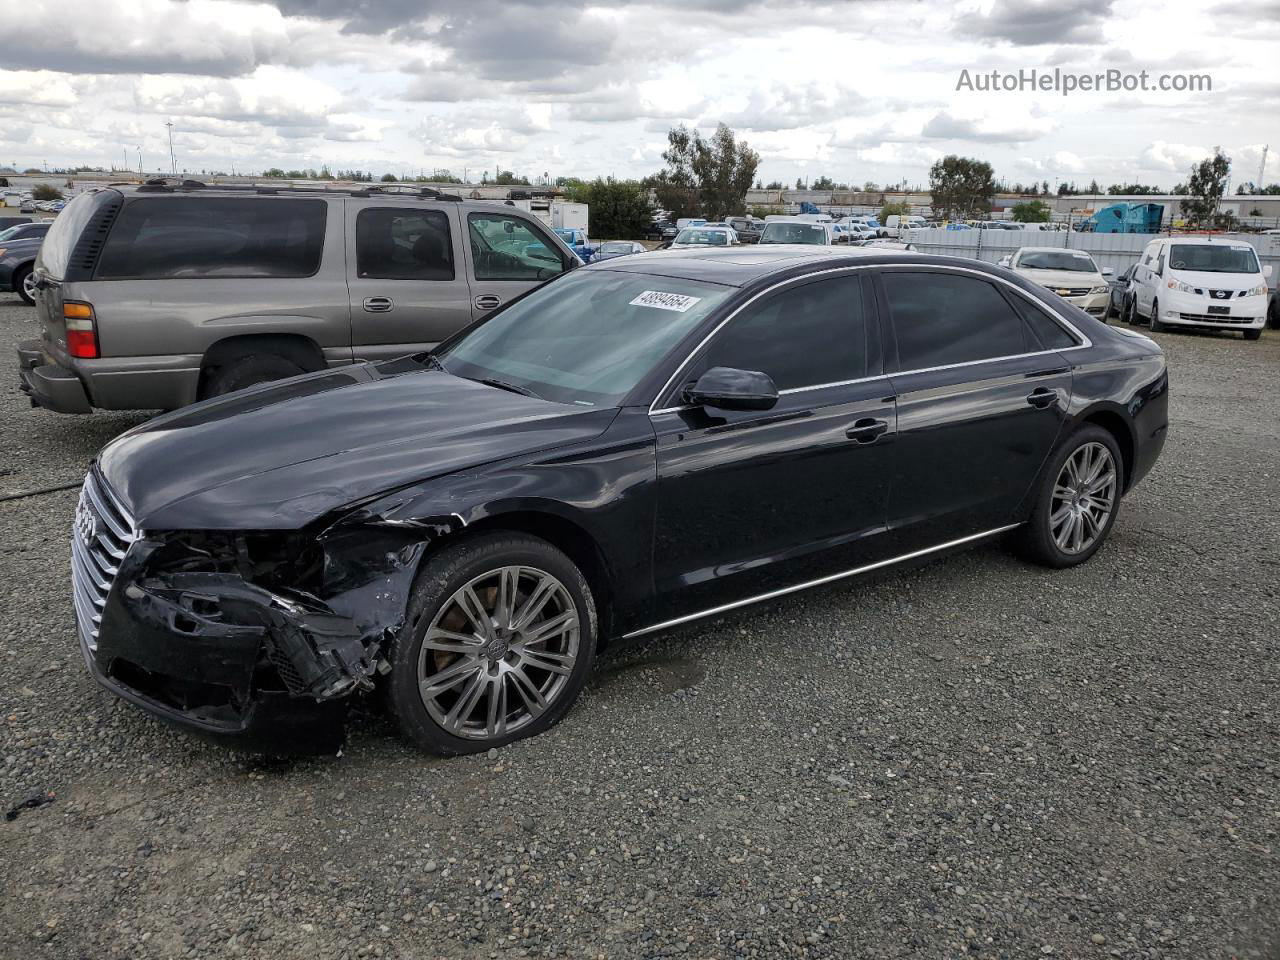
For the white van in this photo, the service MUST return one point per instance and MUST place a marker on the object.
(1209, 282)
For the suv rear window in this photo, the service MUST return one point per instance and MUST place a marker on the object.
(190, 237)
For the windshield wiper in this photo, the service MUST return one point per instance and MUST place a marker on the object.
(506, 385)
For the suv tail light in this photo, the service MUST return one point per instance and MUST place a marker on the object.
(82, 334)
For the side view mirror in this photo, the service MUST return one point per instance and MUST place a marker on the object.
(1006, 261)
(508, 226)
(1108, 272)
(1266, 271)
(732, 389)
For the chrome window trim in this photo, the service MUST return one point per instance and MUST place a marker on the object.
(1084, 343)
(831, 578)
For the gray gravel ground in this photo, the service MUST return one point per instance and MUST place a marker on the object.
(974, 758)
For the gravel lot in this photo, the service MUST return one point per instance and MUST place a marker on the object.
(973, 758)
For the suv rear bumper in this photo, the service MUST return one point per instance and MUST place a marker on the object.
(113, 383)
(47, 384)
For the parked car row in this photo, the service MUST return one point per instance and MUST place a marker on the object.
(19, 245)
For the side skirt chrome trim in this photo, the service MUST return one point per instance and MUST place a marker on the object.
(725, 608)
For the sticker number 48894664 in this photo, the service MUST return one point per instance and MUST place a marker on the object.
(665, 301)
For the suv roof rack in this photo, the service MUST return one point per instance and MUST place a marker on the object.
(179, 184)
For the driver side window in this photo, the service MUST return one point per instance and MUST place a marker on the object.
(510, 248)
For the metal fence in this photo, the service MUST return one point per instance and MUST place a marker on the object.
(1115, 250)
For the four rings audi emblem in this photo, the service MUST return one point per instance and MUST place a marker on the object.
(86, 521)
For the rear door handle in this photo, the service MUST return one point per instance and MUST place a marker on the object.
(866, 430)
(1042, 398)
(378, 304)
(487, 301)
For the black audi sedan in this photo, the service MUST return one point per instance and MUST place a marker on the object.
(631, 447)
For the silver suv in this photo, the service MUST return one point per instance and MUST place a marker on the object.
(155, 296)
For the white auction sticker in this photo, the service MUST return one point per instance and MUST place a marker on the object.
(665, 301)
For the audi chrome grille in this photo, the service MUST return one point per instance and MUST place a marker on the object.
(100, 537)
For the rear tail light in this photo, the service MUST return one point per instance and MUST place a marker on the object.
(82, 333)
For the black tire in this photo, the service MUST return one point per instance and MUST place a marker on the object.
(20, 284)
(1273, 312)
(1035, 538)
(1156, 325)
(1108, 313)
(1253, 334)
(440, 578)
(1130, 311)
(245, 372)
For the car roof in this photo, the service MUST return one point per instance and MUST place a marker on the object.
(740, 266)
(1208, 241)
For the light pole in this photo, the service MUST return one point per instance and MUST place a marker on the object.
(173, 162)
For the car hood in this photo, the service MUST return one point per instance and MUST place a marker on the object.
(1063, 278)
(283, 454)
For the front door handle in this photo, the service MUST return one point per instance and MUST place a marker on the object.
(1042, 398)
(866, 430)
(378, 304)
(487, 301)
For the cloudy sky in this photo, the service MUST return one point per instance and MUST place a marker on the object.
(857, 90)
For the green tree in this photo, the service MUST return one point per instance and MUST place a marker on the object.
(823, 183)
(274, 172)
(507, 178)
(1205, 187)
(1033, 211)
(42, 191)
(961, 187)
(389, 178)
(710, 176)
(773, 185)
(894, 208)
(619, 209)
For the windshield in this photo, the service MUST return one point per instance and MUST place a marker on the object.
(586, 338)
(794, 233)
(6, 234)
(714, 238)
(1213, 258)
(1070, 260)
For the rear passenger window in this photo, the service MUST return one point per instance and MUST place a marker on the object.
(190, 237)
(1049, 332)
(403, 244)
(941, 319)
(806, 336)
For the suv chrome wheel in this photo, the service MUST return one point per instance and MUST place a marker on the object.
(498, 653)
(29, 285)
(1084, 495)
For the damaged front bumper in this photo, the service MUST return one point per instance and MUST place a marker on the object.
(208, 637)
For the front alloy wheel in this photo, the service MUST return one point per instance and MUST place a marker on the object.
(1083, 498)
(499, 638)
(498, 652)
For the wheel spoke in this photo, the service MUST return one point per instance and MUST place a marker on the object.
(450, 676)
(534, 702)
(538, 599)
(449, 641)
(554, 626)
(473, 608)
(1058, 516)
(561, 663)
(466, 702)
(496, 720)
(508, 583)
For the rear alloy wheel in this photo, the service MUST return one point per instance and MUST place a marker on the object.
(502, 639)
(24, 284)
(1078, 500)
